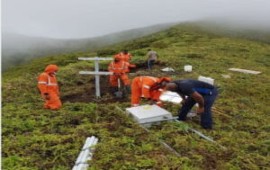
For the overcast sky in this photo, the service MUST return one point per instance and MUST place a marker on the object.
(90, 18)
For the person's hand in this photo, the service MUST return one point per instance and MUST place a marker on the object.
(151, 102)
(200, 110)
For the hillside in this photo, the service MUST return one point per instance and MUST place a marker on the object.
(19, 49)
(33, 138)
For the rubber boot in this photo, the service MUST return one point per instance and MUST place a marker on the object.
(113, 90)
(127, 89)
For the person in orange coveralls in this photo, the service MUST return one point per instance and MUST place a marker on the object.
(119, 69)
(125, 56)
(48, 87)
(147, 87)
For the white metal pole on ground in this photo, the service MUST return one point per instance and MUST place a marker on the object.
(203, 136)
(163, 143)
(85, 154)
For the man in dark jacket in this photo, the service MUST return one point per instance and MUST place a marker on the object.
(192, 92)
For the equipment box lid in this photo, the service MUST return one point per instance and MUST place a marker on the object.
(149, 113)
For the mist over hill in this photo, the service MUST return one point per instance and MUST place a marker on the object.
(236, 28)
(18, 49)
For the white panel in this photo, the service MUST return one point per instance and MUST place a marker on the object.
(245, 71)
(169, 96)
(168, 69)
(208, 80)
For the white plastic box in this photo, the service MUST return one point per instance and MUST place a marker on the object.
(188, 68)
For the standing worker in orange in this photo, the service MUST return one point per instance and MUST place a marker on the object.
(147, 87)
(119, 69)
(125, 56)
(48, 87)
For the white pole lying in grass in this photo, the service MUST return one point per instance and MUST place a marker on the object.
(244, 71)
(203, 136)
(163, 143)
(85, 154)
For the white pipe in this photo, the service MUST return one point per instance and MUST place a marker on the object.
(87, 143)
(94, 58)
(86, 154)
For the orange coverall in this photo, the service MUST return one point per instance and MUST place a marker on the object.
(48, 87)
(119, 69)
(141, 88)
(125, 57)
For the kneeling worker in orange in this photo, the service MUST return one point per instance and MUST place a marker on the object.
(48, 87)
(119, 69)
(147, 87)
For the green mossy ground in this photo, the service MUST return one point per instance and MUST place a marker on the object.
(34, 138)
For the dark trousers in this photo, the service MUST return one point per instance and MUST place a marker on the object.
(150, 64)
(206, 116)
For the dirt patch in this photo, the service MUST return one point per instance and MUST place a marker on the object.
(210, 160)
(89, 93)
(143, 66)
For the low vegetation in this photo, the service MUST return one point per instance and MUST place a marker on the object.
(34, 138)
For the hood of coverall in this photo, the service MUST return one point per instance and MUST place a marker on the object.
(159, 83)
(51, 68)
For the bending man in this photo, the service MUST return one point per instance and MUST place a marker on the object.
(192, 92)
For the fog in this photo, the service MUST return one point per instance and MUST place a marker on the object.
(67, 19)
